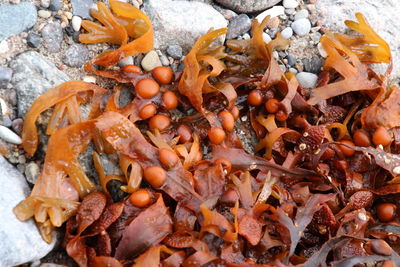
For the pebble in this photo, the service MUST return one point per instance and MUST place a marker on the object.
(76, 55)
(126, 61)
(174, 51)
(287, 32)
(164, 60)
(76, 23)
(238, 26)
(293, 70)
(32, 172)
(17, 125)
(9, 136)
(55, 5)
(69, 30)
(246, 36)
(248, 6)
(307, 79)
(150, 61)
(290, 11)
(301, 27)
(291, 60)
(273, 12)
(33, 40)
(273, 23)
(45, 3)
(52, 36)
(316, 36)
(5, 76)
(321, 50)
(266, 38)
(290, 3)
(301, 14)
(313, 65)
(81, 8)
(69, 15)
(44, 13)
(89, 79)
(227, 13)
(3, 47)
(17, 18)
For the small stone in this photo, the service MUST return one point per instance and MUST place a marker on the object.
(89, 79)
(290, 3)
(175, 51)
(75, 37)
(81, 8)
(76, 23)
(287, 32)
(5, 76)
(33, 40)
(290, 11)
(291, 60)
(273, 12)
(238, 26)
(69, 30)
(52, 36)
(293, 70)
(282, 67)
(321, 50)
(76, 55)
(273, 23)
(246, 36)
(313, 65)
(44, 13)
(164, 60)
(316, 36)
(266, 38)
(17, 18)
(307, 79)
(248, 6)
(7, 122)
(126, 61)
(227, 13)
(69, 15)
(17, 125)
(9, 136)
(301, 14)
(150, 61)
(3, 47)
(32, 172)
(301, 27)
(45, 3)
(55, 5)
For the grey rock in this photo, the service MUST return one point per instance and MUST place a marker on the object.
(307, 79)
(248, 6)
(81, 8)
(238, 26)
(55, 5)
(32, 172)
(164, 60)
(21, 242)
(52, 36)
(33, 40)
(76, 55)
(17, 125)
(5, 76)
(301, 14)
(181, 22)
(14, 19)
(291, 60)
(301, 27)
(174, 51)
(33, 76)
(45, 3)
(313, 65)
(381, 15)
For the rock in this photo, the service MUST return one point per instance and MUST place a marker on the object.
(45, 3)
(238, 26)
(266, 37)
(290, 11)
(174, 51)
(33, 40)
(290, 3)
(89, 79)
(52, 36)
(301, 27)
(17, 125)
(126, 61)
(164, 60)
(76, 23)
(55, 5)
(382, 16)
(32, 172)
(5, 76)
(321, 50)
(9, 136)
(313, 65)
(23, 240)
(150, 61)
(301, 14)
(246, 36)
(181, 22)
(81, 8)
(33, 76)
(44, 14)
(227, 13)
(307, 79)
(287, 32)
(291, 60)
(76, 55)
(14, 19)
(273, 12)
(248, 6)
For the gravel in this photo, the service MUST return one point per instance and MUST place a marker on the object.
(52, 36)
(76, 55)
(174, 51)
(33, 40)
(15, 19)
(307, 79)
(248, 6)
(301, 27)
(5, 76)
(238, 26)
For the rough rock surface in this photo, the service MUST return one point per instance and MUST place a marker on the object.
(382, 15)
(181, 22)
(20, 241)
(16, 18)
(52, 37)
(81, 8)
(33, 76)
(247, 6)
(76, 55)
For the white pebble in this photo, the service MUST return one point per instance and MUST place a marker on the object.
(287, 33)
(307, 79)
(150, 61)
(396, 170)
(44, 14)
(89, 79)
(266, 38)
(3, 46)
(321, 50)
(293, 70)
(301, 14)
(290, 11)
(273, 12)
(76, 23)
(68, 15)
(9, 136)
(246, 36)
(290, 3)
(126, 61)
(301, 27)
